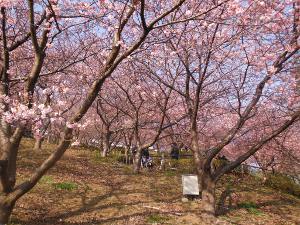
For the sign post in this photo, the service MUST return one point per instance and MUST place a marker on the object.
(190, 186)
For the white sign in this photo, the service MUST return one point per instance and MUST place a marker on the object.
(190, 184)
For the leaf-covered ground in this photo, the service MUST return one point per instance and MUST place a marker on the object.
(83, 190)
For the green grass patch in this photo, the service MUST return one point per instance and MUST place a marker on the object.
(186, 165)
(283, 183)
(112, 158)
(247, 205)
(251, 208)
(156, 218)
(69, 186)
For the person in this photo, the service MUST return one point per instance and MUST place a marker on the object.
(133, 152)
(174, 155)
(146, 161)
(174, 151)
(145, 152)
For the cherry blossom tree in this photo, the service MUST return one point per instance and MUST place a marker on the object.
(145, 105)
(215, 71)
(59, 41)
(108, 118)
(281, 155)
(232, 63)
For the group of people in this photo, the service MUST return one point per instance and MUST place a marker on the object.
(146, 159)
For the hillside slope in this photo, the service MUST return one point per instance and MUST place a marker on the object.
(83, 190)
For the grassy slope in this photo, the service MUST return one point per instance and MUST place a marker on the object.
(83, 190)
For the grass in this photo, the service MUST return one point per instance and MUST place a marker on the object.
(247, 205)
(251, 207)
(255, 211)
(49, 180)
(170, 173)
(283, 183)
(156, 218)
(112, 159)
(69, 186)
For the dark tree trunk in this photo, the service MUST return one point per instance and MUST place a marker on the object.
(208, 193)
(6, 209)
(8, 177)
(207, 184)
(221, 207)
(5, 213)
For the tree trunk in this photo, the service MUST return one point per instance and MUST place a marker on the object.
(126, 156)
(5, 211)
(221, 207)
(38, 143)
(49, 139)
(104, 151)
(162, 161)
(137, 161)
(208, 194)
(106, 145)
(198, 158)
(198, 162)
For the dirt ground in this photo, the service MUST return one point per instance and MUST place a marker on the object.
(81, 189)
